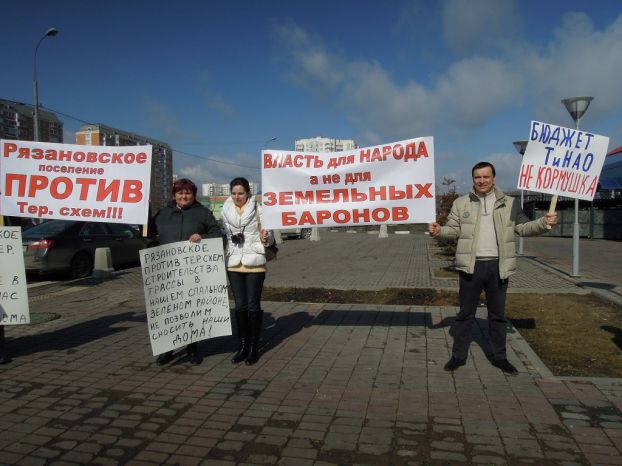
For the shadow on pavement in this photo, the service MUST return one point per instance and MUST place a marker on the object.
(528, 323)
(373, 318)
(74, 336)
(597, 285)
(479, 337)
(276, 331)
(95, 281)
(617, 334)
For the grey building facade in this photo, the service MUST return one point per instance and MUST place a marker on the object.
(161, 162)
(17, 122)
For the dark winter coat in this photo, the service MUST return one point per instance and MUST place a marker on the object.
(174, 224)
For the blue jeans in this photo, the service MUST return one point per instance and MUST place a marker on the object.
(247, 288)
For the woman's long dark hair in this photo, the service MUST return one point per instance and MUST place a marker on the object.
(239, 181)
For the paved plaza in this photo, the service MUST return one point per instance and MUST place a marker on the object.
(337, 384)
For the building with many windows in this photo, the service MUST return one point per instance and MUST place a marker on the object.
(214, 189)
(322, 144)
(217, 189)
(17, 122)
(161, 162)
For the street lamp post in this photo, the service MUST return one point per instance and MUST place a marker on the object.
(50, 32)
(576, 106)
(521, 146)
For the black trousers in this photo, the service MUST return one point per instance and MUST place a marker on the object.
(247, 289)
(485, 277)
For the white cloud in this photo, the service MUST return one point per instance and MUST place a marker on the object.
(469, 93)
(507, 167)
(215, 168)
(198, 172)
(472, 91)
(220, 106)
(475, 89)
(69, 136)
(458, 166)
(478, 24)
(578, 61)
(163, 120)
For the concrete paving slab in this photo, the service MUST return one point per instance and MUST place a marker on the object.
(336, 384)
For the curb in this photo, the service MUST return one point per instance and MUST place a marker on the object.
(610, 296)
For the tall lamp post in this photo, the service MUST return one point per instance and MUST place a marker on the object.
(521, 146)
(50, 32)
(576, 106)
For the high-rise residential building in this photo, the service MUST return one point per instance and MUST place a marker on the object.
(322, 144)
(214, 189)
(161, 161)
(217, 189)
(17, 122)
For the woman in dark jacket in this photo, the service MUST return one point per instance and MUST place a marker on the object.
(184, 218)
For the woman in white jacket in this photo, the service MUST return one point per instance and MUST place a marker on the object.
(246, 265)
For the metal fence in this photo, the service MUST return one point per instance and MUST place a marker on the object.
(600, 219)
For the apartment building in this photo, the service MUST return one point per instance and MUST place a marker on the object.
(17, 122)
(161, 162)
(322, 144)
(216, 189)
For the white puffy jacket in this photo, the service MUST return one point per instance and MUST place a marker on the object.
(251, 252)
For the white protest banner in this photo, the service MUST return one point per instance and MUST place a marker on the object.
(13, 290)
(562, 161)
(185, 293)
(72, 182)
(389, 183)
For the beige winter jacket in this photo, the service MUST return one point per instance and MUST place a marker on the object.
(509, 219)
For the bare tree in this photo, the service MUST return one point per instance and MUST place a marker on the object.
(448, 181)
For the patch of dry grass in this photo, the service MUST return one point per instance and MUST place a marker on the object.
(399, 296)
(575, 335)
(446, 272)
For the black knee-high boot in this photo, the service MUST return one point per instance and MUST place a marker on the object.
(241, 320)
(254, 324)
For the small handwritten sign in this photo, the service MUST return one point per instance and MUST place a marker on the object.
(562, 161)
(13, 290)
(186, 295)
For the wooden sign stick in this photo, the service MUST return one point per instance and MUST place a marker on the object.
(552, 208)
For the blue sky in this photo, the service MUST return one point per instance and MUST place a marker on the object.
(219, 79)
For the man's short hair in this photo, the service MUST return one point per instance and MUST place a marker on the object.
(483, 165)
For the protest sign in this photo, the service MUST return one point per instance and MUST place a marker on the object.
(562, 161)
(72, 182)
(186, 295)
(389, 183)
(13, 290)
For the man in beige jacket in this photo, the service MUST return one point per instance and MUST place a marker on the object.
(485, 223)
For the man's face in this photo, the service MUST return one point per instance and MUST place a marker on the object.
(483, 180)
